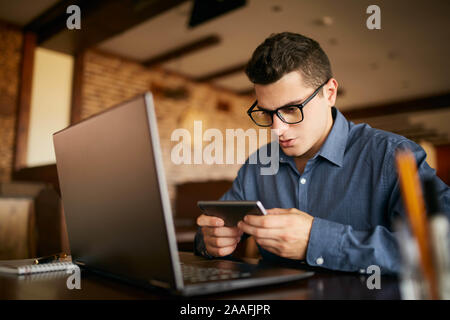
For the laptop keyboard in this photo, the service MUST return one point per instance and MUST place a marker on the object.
(193, 273)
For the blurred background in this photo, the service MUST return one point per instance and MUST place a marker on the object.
(192, 55)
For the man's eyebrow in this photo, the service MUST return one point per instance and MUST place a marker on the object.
(285, 105)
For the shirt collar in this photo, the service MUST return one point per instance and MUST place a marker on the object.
(334, 147)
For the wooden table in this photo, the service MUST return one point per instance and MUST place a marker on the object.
(323, 285)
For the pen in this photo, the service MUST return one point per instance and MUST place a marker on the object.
(48, 259)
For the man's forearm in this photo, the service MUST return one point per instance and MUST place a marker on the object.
(339, 247)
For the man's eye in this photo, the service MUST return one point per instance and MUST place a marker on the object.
(290, 110)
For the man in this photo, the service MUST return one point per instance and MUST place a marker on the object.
(336, 193)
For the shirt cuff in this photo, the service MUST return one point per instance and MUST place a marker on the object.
(199, 245)
(325, 244)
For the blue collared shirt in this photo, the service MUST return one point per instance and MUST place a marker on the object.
(350, 187)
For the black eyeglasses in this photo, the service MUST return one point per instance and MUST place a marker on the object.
(290, 114)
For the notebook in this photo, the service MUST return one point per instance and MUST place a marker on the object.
(26, 266)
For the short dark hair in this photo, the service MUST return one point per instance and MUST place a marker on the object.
(285, 52)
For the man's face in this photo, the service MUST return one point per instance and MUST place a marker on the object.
(304, 138)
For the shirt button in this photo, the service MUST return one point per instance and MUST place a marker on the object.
(319, 261)
(302, 180)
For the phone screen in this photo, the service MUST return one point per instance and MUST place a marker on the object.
(231, 212)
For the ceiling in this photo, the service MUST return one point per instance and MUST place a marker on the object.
(406, 59)
(21, 12)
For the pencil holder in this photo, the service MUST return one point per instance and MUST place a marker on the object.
(412, 283)
(440, 236)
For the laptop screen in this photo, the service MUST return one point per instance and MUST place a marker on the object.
(114, 194)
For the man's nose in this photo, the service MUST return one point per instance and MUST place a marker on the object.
(279, 126)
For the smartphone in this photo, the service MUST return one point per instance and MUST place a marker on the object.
(231, 211)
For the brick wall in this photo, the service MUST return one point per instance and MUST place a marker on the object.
(10, 59)
(108, 80)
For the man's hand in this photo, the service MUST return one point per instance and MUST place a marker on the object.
(284, 232)
(219, 240)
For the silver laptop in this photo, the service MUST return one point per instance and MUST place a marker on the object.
(118, 213)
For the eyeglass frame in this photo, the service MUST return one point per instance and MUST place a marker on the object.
(272, 112)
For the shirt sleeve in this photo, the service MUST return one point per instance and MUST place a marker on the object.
(340, 247)
(234, 193)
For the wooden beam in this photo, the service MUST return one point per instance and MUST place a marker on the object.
(100, 20)
(24, 102)
(185, 77)
(246, 92)
(53, 20)
(407, 106)
(191, 47)
(46, 173)
(222, 73)
(205, 10)
(77, 88)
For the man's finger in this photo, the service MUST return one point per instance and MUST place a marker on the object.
(278, 211)
(220, 252)
(271, 233)
(265, 242)
(269, 245)
(208, 221)
(221, 232)
(269, 221)
(221, 242)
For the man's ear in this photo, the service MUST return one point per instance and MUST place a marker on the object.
(331, 91)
